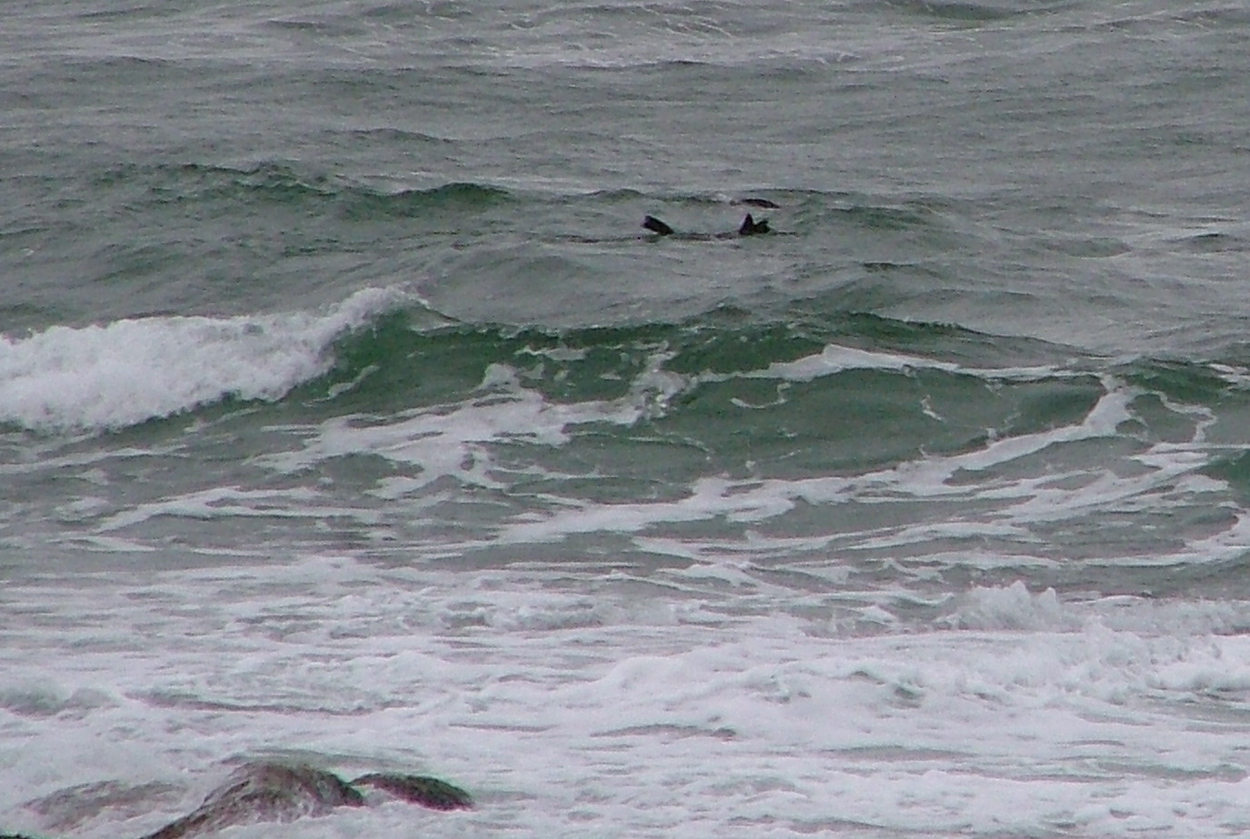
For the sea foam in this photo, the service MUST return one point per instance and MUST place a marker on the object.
(129, 371)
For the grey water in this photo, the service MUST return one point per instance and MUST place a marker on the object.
(340, 386)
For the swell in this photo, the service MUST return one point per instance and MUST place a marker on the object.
(145, 186)
(393, 365)
(384, 350)
(284, 200)
(882, 440)
(799, 397)
(281, 183)
(894, 441)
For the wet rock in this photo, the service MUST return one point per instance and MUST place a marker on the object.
(253, 793)
(264, 792)
(67, 809)
(418, 789)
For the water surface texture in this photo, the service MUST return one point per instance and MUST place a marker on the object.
(349, 415)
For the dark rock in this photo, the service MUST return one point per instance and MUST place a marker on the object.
(68, 808)
(418, 789)
(255, 792)
(264, 792)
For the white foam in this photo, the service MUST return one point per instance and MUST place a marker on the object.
(224, 502)
(1033, 499)
(837, 359)
(834, 359)
(571, 708)
(133, 370)
(453, 440)
(1013, 607)
(999, 492)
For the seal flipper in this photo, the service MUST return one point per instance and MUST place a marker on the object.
(430, 792)
(656, 226)
(750, 226)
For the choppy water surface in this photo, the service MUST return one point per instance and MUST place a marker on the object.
(348, 415)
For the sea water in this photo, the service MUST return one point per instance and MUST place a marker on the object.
(349, 416)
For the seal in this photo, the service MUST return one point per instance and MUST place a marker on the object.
(656, 226)
(749, 227)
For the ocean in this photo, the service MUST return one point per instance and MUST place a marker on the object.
(349, 415)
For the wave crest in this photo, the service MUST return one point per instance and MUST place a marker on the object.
(129, 371)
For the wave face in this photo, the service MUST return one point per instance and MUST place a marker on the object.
(134, 370)
(975, 456)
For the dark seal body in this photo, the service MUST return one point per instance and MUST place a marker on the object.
(749, 227)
